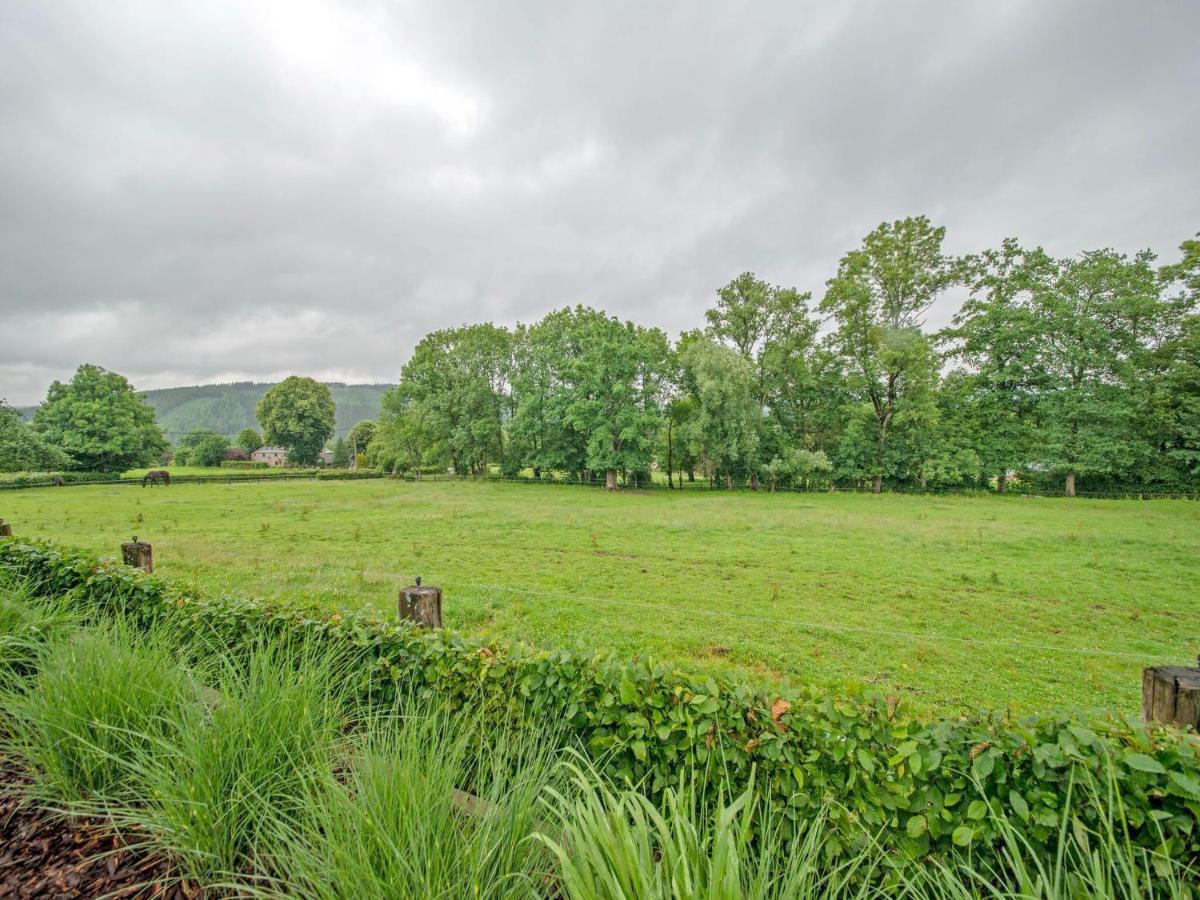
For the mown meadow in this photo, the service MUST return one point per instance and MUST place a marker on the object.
(948, 601)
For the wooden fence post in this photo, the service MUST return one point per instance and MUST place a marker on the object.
(5, 529)
(1171, 695)
(422, 605)
(138, 554)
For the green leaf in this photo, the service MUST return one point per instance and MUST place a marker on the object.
(865, 760)
(916, 826)
(1017, 802)
(977, 810)
(628, 691)
(1190, 785)
(963, 835)
(1144, 763)
(639, 750)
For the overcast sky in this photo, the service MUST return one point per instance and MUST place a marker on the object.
(207, 191)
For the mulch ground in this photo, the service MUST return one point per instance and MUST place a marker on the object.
(45, 856)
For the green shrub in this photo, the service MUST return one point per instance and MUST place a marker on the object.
(103, 698)
(243, 464)
(923, 788)
(39, 479)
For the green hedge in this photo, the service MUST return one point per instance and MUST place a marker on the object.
(243, 464)
(36, 479)
(924, 787)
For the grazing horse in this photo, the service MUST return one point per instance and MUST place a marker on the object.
(156, 476)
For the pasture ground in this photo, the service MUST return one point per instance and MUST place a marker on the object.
(1030, 603)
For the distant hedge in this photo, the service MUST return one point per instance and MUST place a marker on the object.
(243, 464)
(34, 479)
(922, 787)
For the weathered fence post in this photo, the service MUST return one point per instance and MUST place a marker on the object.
(422, 605)
(138, 554)
(5, 529)
(1171, 694)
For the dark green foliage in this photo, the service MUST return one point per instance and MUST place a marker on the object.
(249, 440)
(201, 448)
(298, 414)
(24, 450)
(925, 788)
(341, 453)
(99, 422)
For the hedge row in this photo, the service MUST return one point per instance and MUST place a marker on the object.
(243, 464)
(922, 787)
(38, 479)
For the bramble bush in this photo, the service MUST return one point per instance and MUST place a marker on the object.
(921, 788)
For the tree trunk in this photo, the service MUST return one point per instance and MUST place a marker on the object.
(670, 457)
(691, 474)
(611, 480)
(728, 482)
(1070, 484)
(754, 481)
(1001, 482)
(877, 484)
(537, 472)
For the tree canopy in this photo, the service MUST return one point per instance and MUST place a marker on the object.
(24, 450)
(201, 447)
(98, 421)
(1084, 368)
(298, 414)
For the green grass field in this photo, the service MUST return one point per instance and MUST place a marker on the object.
(949, 601)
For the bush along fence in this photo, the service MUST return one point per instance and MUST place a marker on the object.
(53, 479)
(919, 788)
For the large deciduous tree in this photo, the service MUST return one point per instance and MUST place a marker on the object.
(725, 437)
(99, 422)
(994, 334)
(298, 413)
(771, 328)
(456, 386)
(1095, 319)
(878, 299)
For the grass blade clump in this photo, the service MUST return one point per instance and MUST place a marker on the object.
(392, 825)
(617, 843)
(238, 772)
(27, 625)
(102, 699)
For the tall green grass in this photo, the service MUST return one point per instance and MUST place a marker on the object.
(27, 625)
(395, 822)
(239, 772)
(103, 698)
(616, 844)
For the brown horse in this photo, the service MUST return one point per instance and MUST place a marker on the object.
(156, 476)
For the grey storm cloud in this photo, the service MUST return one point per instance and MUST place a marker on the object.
(203, 191)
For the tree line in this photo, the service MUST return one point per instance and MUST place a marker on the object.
(96, 422)
(1081, 370)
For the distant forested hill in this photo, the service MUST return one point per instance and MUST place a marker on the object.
(228, 408)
